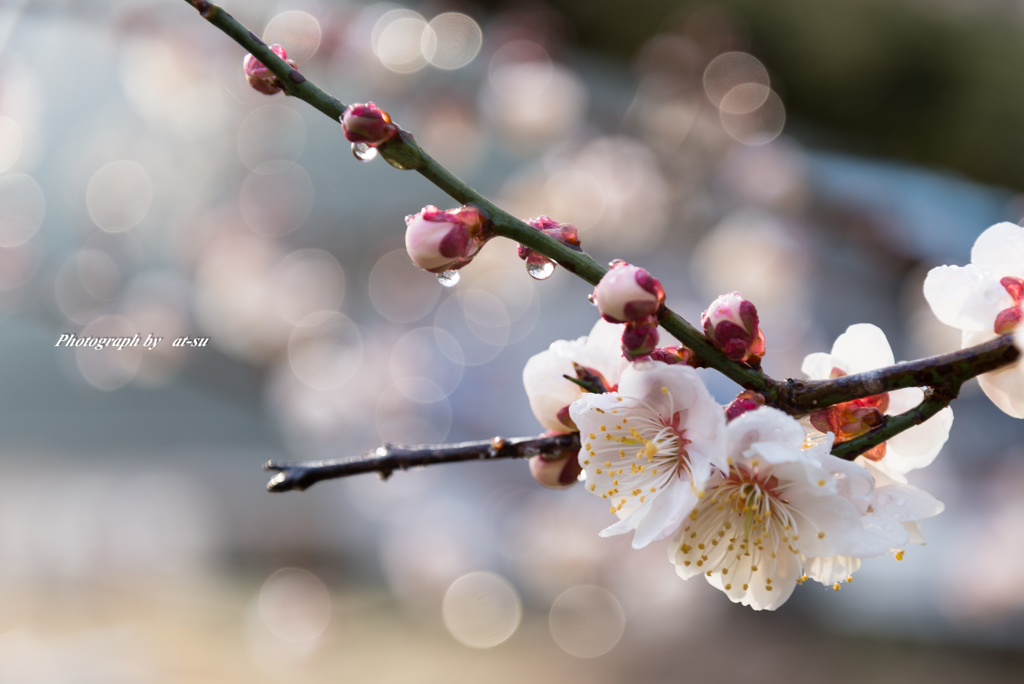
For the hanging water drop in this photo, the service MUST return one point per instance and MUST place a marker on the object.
(540, 270)
(448, 278)
(364, 152)
(592, 299)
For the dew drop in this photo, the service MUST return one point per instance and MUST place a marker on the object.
(592, 299)
(901, 502)
(540, 270)
(364, 152)
(448, 278)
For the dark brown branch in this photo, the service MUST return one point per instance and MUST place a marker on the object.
(800, 397)
(390, 457)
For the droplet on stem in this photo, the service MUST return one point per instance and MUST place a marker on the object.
(540, 270)
(592, 299)
(364, 152)
(448, 278)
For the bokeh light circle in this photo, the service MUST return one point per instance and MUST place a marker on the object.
(481, 609)
(22, 206)
(118, 195)
(587, 621)
(400, 291)
(294, 605)
(731, 69)
(10, 142)
(325, 350)
(297, 31)
(276, 198)
(453, 41)
(109, 368)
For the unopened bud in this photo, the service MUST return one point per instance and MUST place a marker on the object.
(676, 354)
(439, 241)
(367, 124)
(628, 293)
(556, 473)
(262, 78)
(536, 263)
(1007, 320)
(640, 338)
(731, 324)
(747, 400)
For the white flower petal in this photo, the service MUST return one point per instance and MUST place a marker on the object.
(863, 346)
(902, 400)
(914, 530)
(763, 425)
(831, 570)
(547, 390)
(905, 503)
(967, 298)
(1000, 250)
(1005, 387)
(918, 446)
(604, 350)
(818, 366)
(667, 512)
(879, 535)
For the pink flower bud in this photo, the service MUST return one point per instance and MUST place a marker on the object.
(563, 232)
(367, 124)
(1007, 320)
(628, 293)
(731, 324)
(439, 241)
(259, 76)
(556, 473)
(747, 400)
(676, 354)
(640, 338)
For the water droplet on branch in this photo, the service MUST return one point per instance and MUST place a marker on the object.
(364, 152)
(540, 270)
(448, 278)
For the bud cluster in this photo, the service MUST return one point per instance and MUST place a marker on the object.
(731, 324)
(262, 78)
(629, 294)
(439, 241)
(676, 354)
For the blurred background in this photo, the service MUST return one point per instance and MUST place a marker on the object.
(818, 157)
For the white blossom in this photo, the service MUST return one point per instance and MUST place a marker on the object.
(550, 393)
(777, 506)
(649, 448)
(863, 347)
(977, 298)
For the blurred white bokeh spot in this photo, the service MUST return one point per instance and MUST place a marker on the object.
(10, 142)
(297, 31)
(22, 206)
(481, 609)
(587, 621)
(109, 368)
(453, 41)
(401, 292)
(276, 198)
(294, 605)
(732, 69)
(305, 282)
(427, 354)
(325, 350)
(118, 195)
(398, 38)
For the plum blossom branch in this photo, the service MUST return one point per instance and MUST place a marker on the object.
(391, 457)
(796, 397)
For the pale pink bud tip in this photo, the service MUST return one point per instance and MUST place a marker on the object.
(439, 241)
(747, 400)
(731, 324)
(556, 473)
(628, 293)
(367, 124)
(259, 76)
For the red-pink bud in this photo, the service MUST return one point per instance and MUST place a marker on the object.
(538, 265)
(731, 323)
(676, 354)
(556, 473)
(747, 400)
(1007, 320)
(640, 338)
(262, 78)
(439, 241)
(1015, 287)
(367, 124)
(628, 293)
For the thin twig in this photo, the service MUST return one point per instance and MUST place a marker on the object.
(390, 457)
